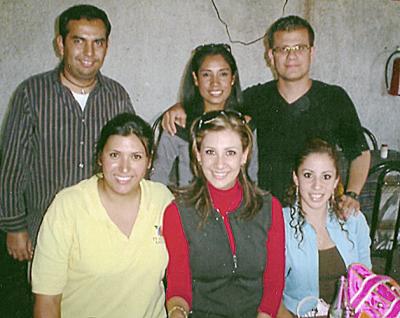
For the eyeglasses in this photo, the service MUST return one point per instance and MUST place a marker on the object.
(213, 45)
(296, 49)
(209, 117)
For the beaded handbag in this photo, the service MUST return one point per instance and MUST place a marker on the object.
(364, 294)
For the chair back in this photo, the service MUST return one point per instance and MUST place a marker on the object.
(372, 142)
(387, 196)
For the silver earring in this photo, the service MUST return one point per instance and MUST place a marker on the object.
(296, 204)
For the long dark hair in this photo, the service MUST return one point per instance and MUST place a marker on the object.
(192, 101)
(197, 193)
(292, 198)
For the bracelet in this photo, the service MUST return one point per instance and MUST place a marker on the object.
(352, 194)
(180, 308)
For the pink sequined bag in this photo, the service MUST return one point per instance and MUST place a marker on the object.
(366, 295)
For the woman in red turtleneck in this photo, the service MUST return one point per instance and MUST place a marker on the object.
(225, 237)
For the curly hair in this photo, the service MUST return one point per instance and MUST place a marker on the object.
(293, 198)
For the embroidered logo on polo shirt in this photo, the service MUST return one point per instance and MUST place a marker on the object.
(158, 237)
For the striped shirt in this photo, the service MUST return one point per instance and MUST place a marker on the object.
(49, 143)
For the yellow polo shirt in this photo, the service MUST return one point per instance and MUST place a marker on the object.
(100, 272)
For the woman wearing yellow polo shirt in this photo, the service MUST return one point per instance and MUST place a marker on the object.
(100, 252)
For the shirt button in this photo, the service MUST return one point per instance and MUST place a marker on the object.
(83, 120)
(81, 165)
(82, 143)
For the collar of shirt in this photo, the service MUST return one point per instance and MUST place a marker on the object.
(226, 201)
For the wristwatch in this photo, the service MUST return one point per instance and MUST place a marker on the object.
(352, 194)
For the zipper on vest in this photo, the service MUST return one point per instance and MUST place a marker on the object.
(234, 263)
(234, 257)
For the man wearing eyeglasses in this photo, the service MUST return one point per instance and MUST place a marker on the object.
(294, 108)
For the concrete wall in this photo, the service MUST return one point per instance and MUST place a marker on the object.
(151, 43)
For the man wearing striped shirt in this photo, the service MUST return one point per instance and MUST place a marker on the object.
(52, 126)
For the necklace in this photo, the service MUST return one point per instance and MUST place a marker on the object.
(84, 88)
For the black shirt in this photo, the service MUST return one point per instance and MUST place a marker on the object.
(325, 111)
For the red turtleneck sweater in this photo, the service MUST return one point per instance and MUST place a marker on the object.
(224, 201)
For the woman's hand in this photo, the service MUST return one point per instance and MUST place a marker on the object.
(263, 315)
(174, 114)
(177, 307)
(177, 314)
(283, 312)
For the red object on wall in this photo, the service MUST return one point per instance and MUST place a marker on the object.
(395, 83)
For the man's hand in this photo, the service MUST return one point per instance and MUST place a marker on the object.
(19, 245)
(348, 206)
(174, 114)
(358, 174)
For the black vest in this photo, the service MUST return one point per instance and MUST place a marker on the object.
(224, 285)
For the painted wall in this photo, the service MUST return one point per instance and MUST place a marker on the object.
(151, 43)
